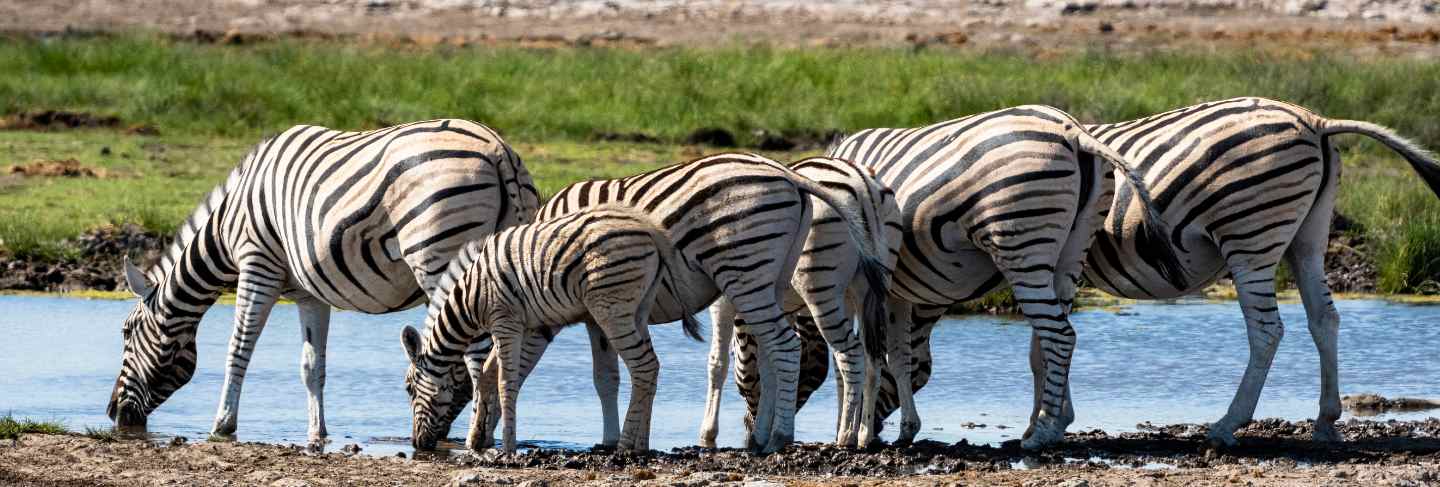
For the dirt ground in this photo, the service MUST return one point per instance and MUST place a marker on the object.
(1389, 27)
(1272, 452)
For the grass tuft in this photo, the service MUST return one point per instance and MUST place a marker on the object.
(11, 428)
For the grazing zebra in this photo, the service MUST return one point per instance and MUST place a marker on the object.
(830, 275)
(602, 265)
(1243, 184)
(363, 221)
(738, 221)
(1004, 196)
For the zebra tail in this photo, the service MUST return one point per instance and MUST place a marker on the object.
(877, 276)
(669, 258)
(1155, 231)
(1421, 160)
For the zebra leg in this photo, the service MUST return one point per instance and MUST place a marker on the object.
(509, 337)
(256, 291)
(1307, 259)
(818, 336)
(1256, 291)
(898, 358)
(486, 414)
(315, 324)
(722, 330)
(633, 344)
(1052, 346)
(747, 380)
(607, 383)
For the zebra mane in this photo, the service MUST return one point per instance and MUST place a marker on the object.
(453, 272)
(157, 272)
(835, 141)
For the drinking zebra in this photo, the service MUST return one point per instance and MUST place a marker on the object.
(1243, 184)
(363, 221)
(830, 274)
(602, 265)
(1004, 196)
(738, 221)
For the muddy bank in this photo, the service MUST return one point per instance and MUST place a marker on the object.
(1272, 452)
(98, 257)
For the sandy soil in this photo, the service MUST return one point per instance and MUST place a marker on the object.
(1391, 27)
(1272, 452)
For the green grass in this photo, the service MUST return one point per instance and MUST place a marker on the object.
(103, 435)
(212, 102)
(11, 428)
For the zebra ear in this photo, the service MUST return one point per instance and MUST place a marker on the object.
(411, 340)
(135, 279)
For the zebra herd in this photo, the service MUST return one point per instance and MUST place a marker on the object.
(849, 258)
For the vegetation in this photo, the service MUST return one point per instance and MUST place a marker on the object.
(211, 102)
(11, 428)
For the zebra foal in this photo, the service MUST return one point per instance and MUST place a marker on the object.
(1243, 184)
(602, 265)
(739, 222)
(364, 221)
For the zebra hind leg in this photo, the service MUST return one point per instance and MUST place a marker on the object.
(315, 326)
(1052, 347)
(722, 330)
(1256, 291)
(607, 384)
(1306, 257)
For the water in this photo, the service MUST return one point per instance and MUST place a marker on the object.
(1162, 363)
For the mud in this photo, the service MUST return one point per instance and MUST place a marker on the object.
(1271, 452)
(50, 120)
(69, 168)
(97, 263)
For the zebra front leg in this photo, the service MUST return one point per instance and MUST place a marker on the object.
(1052, 347)
(1256, 292)
(606, 372)
(722, 330)
(509, 337)
(256, 291)
(315, 325)
(481, 434)
(1308, 263)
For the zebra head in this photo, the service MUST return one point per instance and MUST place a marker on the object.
(438, 391)
(158, 357)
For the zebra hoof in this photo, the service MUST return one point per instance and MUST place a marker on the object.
(224, 426)
(1326, 433)
(1042, 437)
(1220, 438)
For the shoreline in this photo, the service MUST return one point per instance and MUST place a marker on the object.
(1271, 452)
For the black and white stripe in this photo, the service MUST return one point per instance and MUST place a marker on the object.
(1005, 196)
(363, 221)
(1243, 184)
(602, 265)
(829, 286)
(738, 221)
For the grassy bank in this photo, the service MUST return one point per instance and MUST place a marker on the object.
(210, 103)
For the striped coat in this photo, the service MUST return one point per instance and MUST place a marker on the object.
(602, 265)
(1004, 196)
(364, 221)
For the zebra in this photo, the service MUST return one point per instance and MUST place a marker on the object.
(363, 221)
(829, 273)
(738, 220)
(1004, 196)
(602, 265)
(1243, 184)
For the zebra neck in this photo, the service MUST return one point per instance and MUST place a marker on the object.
(195, 280)
(456, 324)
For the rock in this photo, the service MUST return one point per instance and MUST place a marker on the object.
(479, 478)
(351, 449)
(290, 482)
(534, 483)
(1074, 483)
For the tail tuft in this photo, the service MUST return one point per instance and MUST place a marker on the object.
(875, 312)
